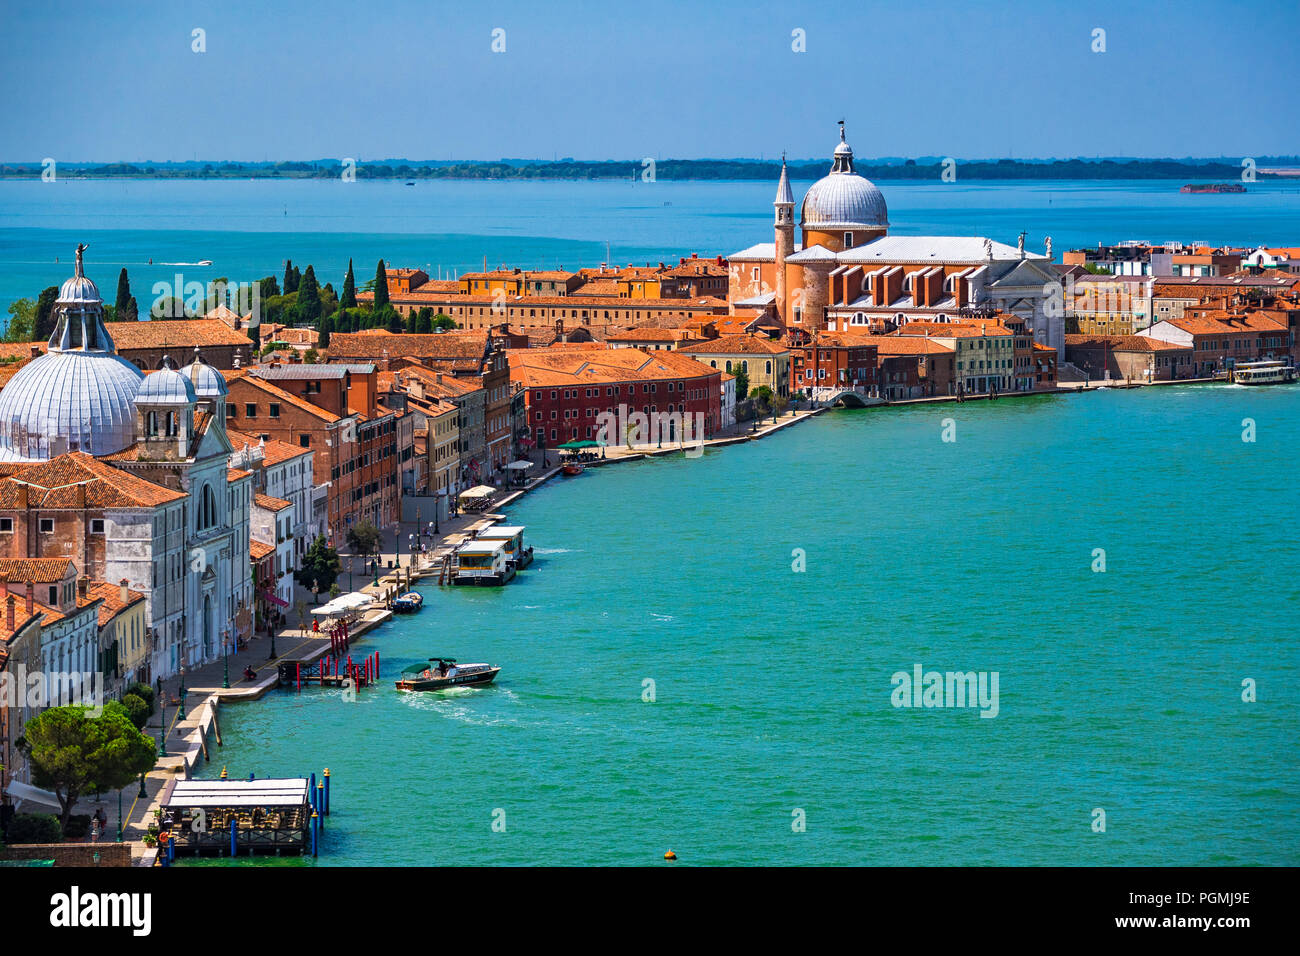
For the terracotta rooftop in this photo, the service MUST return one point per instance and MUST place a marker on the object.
(36, 570)
(111, 594)
(180, 335)
(735, 345)
(267, 503)
(76, 480)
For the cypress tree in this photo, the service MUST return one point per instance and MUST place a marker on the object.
(123, 293)
(324, 330)
(289, 284)
(349, 298)
(309, 296)
(381, 286)
(43, 327)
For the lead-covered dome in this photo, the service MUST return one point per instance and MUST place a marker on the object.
(166, 387)
(842, 199)
(207, 381)
(80, 395)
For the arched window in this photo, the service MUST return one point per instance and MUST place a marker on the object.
(171, 424)
(151, 423)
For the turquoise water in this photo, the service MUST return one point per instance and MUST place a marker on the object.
(248, 228)
(1118, 690)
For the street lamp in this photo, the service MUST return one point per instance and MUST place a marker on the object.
(410, 542)
(119, 816)
(162, 717)
(225, 659)
(182, 694)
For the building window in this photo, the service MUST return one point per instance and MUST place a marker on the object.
(47, 526)
(6, 525)
(96, 526)
(250, 409)
(275, 409)
(304, 441)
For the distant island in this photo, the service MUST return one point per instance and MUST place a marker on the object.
(667, 169)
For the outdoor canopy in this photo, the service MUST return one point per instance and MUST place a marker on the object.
(585, 443)
(478, 491)
(520, 465)
(344, 602)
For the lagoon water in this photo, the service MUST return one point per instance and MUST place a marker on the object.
(248, 228)
(1119, 690)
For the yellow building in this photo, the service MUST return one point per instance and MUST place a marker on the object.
(123, 637)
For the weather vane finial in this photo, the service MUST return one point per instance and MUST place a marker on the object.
(81, 248)
(841, 131)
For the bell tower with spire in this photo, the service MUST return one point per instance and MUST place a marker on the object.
(784, 205)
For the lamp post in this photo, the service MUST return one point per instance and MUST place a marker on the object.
(119, 816)
(225, 659)
(410, 543)
(143, 792)
(182, 694)
(162, 728)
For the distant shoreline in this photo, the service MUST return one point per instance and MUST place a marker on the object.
(665, 170)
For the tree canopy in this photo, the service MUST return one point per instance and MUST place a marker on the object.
(72, 753)
(320, 566)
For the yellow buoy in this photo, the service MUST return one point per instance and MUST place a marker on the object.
(223, 773)
(670, 855)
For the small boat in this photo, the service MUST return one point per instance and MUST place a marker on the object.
(572, 468)
(410, 184)
(408, 603)
(1263, 372)
(444, 672)
(205, 262)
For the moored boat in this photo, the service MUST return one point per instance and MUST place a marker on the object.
(443, 672)
(408, 603)
(482, 563)
(1263, 372)
(1213, 188)
(517, 555)
(572, 468)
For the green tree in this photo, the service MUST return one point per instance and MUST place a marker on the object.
(394, 319)
(742, 380)
(443, 321)
(320, 566)
(22, 320)
(364, 538)
(125, 308)
(72, 753)
(44, 324)
(422, 321)
(137, 710)
(309, 297)
(290, 284)
(348, 300)
(323, 331)
(381, 286)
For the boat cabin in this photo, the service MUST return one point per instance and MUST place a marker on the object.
(484, 563)
(513, 537)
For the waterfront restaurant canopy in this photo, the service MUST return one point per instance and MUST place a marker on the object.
(578, 445)
(186, 794)
(478, 491)
(520, 465)
(344, 603)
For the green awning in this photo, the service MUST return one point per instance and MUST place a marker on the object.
(415, 669)
(585, 443)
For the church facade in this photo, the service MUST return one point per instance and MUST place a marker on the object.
(846, 273)
(127, 475)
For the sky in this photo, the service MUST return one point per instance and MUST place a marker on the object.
(627, 79)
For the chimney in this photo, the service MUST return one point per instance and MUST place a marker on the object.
(31, 597)
(36, 350)
(83, 585)
(125, 592)
(9, 613)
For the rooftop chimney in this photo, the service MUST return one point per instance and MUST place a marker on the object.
(83, 585)
(9, 613)
(36, 350)
(31, 598)
(125, 592)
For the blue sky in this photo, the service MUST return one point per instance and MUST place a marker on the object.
(619, 80)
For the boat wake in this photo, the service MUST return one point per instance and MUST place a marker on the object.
(552, 551)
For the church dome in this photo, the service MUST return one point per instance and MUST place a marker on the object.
(842, 199)
(80, 395)
(207, 381)
(165, 387)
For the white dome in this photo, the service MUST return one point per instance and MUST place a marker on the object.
(69, 401)
(79, 290)
(842, 199)
(165, 387)
(207, 381)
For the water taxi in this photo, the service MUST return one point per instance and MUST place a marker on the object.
(443, 672)
(517, 555)
(1264, 372)
(408, 603)
(572, 467)
(482, 563)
